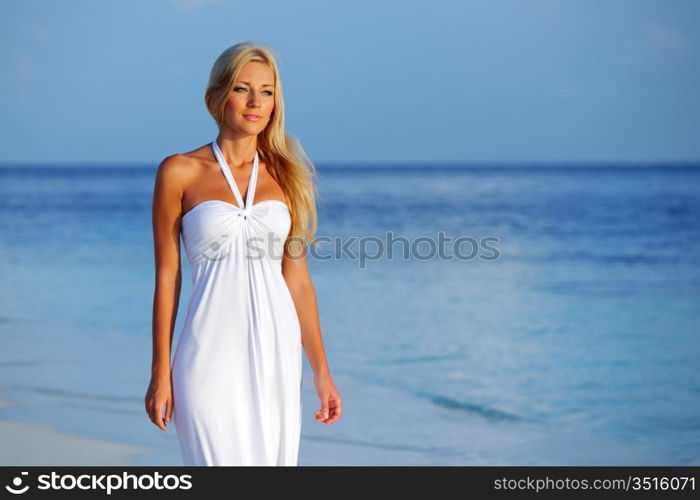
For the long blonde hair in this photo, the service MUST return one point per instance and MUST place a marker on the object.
(283, 154)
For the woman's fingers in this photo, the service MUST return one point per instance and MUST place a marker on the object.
(155, 413)
(161, 407)
(169, 412)
(149, 404)
(336, 412)
(331, 409)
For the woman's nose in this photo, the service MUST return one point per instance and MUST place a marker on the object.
(254, 99)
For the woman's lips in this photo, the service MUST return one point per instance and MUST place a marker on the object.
(252, 118)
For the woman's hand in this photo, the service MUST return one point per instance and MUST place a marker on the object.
(159, 397)
(331, 402)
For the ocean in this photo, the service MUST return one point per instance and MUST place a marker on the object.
(543, 314)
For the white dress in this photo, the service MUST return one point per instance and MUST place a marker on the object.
(237, 369)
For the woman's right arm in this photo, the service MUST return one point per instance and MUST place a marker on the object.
(166, 215)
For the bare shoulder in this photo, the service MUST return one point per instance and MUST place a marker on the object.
(183, 161)
(170, 173)
(191, 164)
(172, 164)
(180, 168)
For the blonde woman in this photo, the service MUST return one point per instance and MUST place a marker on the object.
(241, 203)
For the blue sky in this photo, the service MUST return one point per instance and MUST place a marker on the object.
(364, 81)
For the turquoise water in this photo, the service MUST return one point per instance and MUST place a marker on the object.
(577, 345)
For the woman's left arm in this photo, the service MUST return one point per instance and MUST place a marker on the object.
(301, 288)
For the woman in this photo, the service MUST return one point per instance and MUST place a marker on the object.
(239, 202)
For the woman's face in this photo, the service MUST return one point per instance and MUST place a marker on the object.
(252, 94)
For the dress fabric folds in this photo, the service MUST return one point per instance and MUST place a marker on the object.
(237, 369)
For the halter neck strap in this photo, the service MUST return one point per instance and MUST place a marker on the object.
(252, 182)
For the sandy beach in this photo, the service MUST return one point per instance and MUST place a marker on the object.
(30, 444)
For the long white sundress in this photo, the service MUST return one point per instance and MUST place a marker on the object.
(237, 369)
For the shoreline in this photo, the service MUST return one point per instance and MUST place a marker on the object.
(33, 444)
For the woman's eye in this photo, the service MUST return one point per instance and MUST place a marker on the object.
(269, 92)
